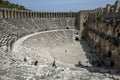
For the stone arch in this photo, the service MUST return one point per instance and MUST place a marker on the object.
(77, 39)
(112, 64)
(109, 54)
(118, 35)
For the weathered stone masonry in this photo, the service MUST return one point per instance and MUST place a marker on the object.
(101, 30)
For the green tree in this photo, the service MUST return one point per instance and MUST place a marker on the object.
(1, 1)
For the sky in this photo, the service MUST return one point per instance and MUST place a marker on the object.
(62, 5)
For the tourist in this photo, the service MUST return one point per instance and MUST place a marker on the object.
(65, 50)
(25, 59)
(35, 63)
(79, 63)
(54, 64)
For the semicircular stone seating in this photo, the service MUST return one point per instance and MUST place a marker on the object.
(55, 44)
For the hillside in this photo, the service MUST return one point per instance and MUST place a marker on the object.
(7, 4)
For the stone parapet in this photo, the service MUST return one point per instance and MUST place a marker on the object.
(11, 13)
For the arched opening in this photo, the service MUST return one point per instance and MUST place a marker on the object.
(118, 35)
(82, 37)
(109, 54)
(76, 33)
(76, 38)
(67, 28)
(112, 64)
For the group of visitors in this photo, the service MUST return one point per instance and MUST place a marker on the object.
(36, 63)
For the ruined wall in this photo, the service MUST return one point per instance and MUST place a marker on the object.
(101, 31)
(83, 16)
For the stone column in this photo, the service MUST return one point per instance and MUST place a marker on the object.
(37, 14)
(12, 15)
(61, 15)
(40, 14)
(65, 14)
(21, 15)
(108, 9)
(7, 13)
(30, 14)
(49, 14)
(18, 12)
(68, 14)
(53, 14)
(4, 13)
(117, 6)
(0, 13)
(10, 12)
(34, 14)
(44, 14)
(71, 14)
(27, 14)
(57, 15)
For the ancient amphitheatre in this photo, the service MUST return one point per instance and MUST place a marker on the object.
(85, 45)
